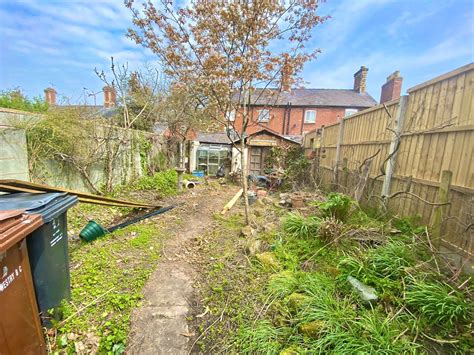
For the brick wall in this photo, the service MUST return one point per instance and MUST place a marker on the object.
(295, 125)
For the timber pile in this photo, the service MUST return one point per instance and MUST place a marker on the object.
(15, 186)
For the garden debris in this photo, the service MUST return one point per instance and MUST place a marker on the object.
(297, 201)
(12, 186)
(312, 329)
(232, 202)
(248, 231)
(330, 229)
(93, 230)
(367, 293)
(268, 260)
(372, 235)
(253, 246)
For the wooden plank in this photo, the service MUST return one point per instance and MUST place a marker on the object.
(458, 71)
(457, 100)
(46, 188)
(466, 160)
(465, 114)
(439, 120)
(14, 189)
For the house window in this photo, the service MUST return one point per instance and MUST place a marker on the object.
(231, 116)
(263, 115)
(310, 116)
(350, 111)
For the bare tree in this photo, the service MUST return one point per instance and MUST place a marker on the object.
(224, 50)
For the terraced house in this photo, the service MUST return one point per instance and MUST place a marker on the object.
(291, 112)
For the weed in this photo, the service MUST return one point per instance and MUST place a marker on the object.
(164, 182)
(112, 269)
(330, 229)
(439, 303)
(408, 225)
(299, 226)
(315, 283)
(391, 259)
(262, 338)
(337, 205)
(283, 283)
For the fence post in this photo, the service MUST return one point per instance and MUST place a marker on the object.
(338, 151)
(394, 144)
(440, 211)
(345, 174)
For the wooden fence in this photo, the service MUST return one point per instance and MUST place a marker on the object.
(411, 155)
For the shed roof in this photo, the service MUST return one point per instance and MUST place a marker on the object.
(214, 138)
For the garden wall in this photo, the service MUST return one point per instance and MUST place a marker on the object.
(135, 151)
(13, 149)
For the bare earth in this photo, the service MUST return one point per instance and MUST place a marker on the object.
(160, 326)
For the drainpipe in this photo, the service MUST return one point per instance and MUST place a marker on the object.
(289, 118)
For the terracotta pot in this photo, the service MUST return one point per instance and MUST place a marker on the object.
(297, 201)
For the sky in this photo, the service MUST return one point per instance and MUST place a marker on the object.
(59, 43)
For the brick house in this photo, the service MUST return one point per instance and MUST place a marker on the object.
(293, 112)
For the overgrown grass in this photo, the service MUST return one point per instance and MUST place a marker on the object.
(439, 303)
(107, 277)
(307, 306)
(300, 226)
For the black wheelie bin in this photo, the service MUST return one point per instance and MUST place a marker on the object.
(47, 245)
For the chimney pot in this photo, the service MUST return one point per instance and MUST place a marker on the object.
(360, 78)
(392, 88)
(50, 96)
(110, 96)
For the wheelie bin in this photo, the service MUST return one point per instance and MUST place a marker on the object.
(20, 325)
(47, 245)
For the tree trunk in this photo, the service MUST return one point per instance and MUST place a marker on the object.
(243, 164)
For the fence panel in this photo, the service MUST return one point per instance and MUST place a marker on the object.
(437, 134)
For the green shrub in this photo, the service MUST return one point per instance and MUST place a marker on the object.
(15, 99)
(337, 205)
(299, 226)
(408, 225)
(164, 182)
(439, 303)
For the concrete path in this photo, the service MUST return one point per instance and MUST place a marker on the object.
(160, 325)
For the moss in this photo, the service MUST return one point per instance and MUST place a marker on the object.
(268, 260)
(297, 300)
(312, 329)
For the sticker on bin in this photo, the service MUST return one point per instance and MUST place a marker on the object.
(57, 233)
(10, 278)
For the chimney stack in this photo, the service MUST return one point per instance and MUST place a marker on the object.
(360, 80)
(110, 96)
(50, 96)
(392, 88)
